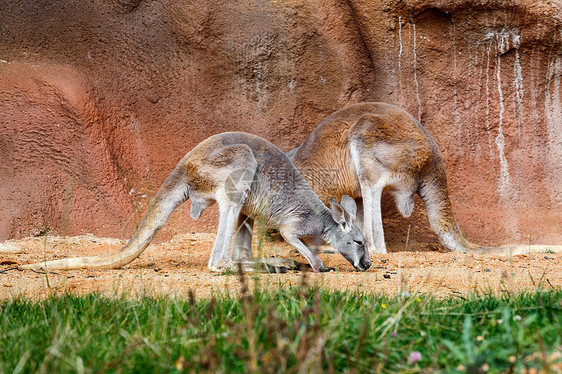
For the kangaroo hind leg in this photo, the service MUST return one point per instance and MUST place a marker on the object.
(373, 177)
(372, 218)
(220, 255)
(234, 166)
(237, 170)
(242, 246)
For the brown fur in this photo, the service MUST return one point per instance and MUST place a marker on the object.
(195, 179)
(372, 123)
(390, 140)
(399, 130)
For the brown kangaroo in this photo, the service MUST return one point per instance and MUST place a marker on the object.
(368, 147)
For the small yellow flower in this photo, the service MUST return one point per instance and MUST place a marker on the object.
(418, 299)
(383, 306)
(180, 363)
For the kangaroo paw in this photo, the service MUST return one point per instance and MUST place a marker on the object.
(282, 262)
(326, 269)
(264, 267)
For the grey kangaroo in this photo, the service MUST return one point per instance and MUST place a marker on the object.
(249, 178)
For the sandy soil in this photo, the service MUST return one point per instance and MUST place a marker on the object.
(180, 264)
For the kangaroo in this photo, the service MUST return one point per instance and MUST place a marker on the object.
(368, 147)
(249, 178)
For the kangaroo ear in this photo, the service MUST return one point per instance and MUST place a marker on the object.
(349, 207)
(338, 213)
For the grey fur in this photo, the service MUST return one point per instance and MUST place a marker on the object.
(247, 177)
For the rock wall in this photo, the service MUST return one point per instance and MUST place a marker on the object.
(484, 79)
(99, 100)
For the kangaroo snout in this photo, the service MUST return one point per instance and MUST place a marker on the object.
(363, 265)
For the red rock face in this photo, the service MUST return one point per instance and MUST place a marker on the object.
(485, 81)
(57, 172)
(99, 100)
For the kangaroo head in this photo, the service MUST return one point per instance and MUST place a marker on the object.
(349, 241)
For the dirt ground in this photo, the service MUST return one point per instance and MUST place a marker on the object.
(176, 266)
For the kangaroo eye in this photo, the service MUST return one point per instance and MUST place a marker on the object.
(358, 242)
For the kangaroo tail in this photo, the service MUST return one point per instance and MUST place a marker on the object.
(10, 248)
(172, 193)
(434, 193)
(522, 249)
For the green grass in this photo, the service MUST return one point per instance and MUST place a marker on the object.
(282, 330)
